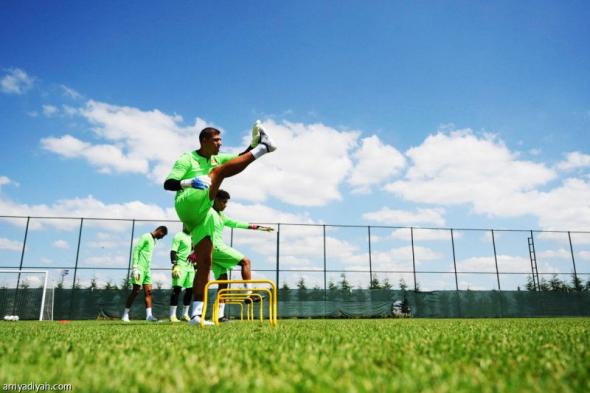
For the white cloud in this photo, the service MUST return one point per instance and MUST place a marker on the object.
(106, 158)
(16, 81)
(560, 253)
(574, 160)
(425, 234)
(375, 162)
(421, 216)
(69, 92)
(460, 168)
(64, 245)
(313, 162)
(506, 264)
(49, 110)
(146, 142)
(4, 181)
(307, 169)
(83, 207)
(10, 245)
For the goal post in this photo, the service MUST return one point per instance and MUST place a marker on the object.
(11, 289)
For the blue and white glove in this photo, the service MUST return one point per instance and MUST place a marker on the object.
(135, 273)
(199, 182)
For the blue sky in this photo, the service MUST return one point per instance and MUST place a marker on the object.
(468, 114)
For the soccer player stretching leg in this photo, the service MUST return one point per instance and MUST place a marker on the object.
(196, 176)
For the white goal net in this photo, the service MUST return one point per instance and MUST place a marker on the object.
(25, 295)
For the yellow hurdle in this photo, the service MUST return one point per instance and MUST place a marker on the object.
(272, 297)
(241, 297)
(241, 308)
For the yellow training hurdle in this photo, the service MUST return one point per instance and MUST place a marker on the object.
(241, 295)
(272, 297)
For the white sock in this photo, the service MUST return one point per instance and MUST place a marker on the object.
(148, 312)
(185, 311)
(172, 311)
(221, 309)
(197, 308)
(126, 312)
(259, 151)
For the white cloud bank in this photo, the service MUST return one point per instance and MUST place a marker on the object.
(16, 81)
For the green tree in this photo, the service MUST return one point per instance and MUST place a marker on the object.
(556, 285)
(402, 284)
(93, 284)
(375, 284)
(530, 283)
(345, 285)
(386, 284)
(576, 283)
(301, 284)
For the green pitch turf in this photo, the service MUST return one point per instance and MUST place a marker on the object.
(491, 355)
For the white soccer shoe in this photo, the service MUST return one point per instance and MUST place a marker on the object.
(125, 318)
(151, 318)
(256, 134)
(265, 140)
(196, 321)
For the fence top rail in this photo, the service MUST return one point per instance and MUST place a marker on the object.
(304, 224)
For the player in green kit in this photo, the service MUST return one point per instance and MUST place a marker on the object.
(141, 274)
(183, 273)
(196, 176)
(224, 256)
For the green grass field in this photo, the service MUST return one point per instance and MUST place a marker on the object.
(491, 355)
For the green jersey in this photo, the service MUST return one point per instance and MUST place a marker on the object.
(142, 253)
(220, 222)
(181, 244)
(192, 205)
(192, 164)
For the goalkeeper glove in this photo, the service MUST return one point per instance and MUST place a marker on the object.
(176, 271)
(135, 273)
(261, 228)
(199, 182)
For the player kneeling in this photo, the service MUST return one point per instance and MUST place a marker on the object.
(224, 256)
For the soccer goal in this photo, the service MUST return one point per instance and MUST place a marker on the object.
(25, 295)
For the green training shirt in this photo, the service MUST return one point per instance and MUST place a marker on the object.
(192, 164)
(181, 243)
(142, 253)
(221, 221)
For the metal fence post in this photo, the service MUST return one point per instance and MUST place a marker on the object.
(77, 253)
(496, 259)
(370, 258)
(413, 257)
(278, 260)
(20, 266)
(569, 236)
(535, 266)
(325, 286)
(72, 294)
(130, 252)
(454, 260)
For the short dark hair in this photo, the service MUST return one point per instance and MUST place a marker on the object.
(222, 194)
(162, 228)
(207, 133)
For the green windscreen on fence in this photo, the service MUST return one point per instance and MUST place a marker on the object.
(295, 303)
